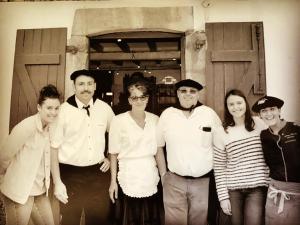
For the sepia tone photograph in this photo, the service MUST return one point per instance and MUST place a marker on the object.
(150, 112)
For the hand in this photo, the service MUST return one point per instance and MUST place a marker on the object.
(113, 191)
(105, 165)
(60, 192)
(226, 207)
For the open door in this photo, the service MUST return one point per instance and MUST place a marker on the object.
(39, 60)
(235, 59)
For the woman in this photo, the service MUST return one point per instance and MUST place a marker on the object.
(25, 164)
(281, 147)
(132, 142)
(240, 170)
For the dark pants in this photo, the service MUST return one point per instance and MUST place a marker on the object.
(87, 188)
(248, 206)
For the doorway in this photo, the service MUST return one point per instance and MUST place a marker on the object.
(114, 57)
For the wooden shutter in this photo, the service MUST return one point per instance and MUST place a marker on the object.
(39, 60)
(235, 59)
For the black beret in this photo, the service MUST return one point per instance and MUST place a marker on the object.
(188, 83)
(267, 101)
(78, 73)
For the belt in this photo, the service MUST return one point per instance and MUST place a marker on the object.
(192, 178)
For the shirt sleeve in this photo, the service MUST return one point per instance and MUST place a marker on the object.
(15, 141)
(220, 161)
(114, 137)
(110, 116)
(160, 131)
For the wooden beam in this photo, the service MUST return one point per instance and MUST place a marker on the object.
(233, 55)
(136, 56)
(27, 86)
(38, 59)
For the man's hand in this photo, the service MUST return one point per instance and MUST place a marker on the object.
(113, 191)
(60, 192)
(226, 206)
(105, 165)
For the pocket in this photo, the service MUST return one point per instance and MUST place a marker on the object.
(206, 137)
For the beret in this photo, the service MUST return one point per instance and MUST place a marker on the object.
(84, 72)
(267, 101)
(188, 83)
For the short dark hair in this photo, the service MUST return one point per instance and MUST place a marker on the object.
(228, 118)
(48, 91)
(138, 81)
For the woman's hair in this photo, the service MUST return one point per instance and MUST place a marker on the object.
(228, 118)
(49, 91)
(138, 81)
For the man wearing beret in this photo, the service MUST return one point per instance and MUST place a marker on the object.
(281, 147)
(186, 132)
(80, 140)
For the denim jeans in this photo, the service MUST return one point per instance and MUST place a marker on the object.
(248, 206)
(37, 208)
(185, 200)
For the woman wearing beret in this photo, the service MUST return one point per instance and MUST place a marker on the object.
(240, 170)
(25, 161)
(132, 143)
(281, 147)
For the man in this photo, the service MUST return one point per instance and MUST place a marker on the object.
(80, 141)
(186, 130)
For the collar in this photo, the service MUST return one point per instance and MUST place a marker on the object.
(72, 101)
(39, 125)
(80, 105)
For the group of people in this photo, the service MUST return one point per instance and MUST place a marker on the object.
(255, 160)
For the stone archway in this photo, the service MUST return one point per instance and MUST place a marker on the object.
(97, 21)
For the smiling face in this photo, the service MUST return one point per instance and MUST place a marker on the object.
(48, 110)
(270, 115)
(236, 106)
(84, 87)
(137, 99)
(187, 96)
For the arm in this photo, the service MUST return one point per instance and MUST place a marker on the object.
(161, 162)
(113, 188)
(60, 191)
(220, 162)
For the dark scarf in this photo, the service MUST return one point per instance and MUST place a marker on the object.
(178, 106)
(71, 100)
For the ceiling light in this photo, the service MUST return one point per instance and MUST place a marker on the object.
(119, 40)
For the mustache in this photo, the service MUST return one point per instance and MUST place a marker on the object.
(88, 92)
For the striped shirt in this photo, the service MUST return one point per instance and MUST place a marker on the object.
(238, 159)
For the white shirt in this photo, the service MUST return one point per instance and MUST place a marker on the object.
(136, 147)
(189, 148)
(81, 138)
(20, 158)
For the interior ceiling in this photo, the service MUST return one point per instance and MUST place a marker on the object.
(135, 51)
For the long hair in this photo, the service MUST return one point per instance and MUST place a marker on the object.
(228, 118)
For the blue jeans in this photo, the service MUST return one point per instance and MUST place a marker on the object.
(37, 208)
(248, 206)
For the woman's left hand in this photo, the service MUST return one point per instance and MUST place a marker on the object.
(105, 165)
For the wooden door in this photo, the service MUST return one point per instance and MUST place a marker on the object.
(39, 60)
(235, 59)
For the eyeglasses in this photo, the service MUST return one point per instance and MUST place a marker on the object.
(136, 98)
(186, 91)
